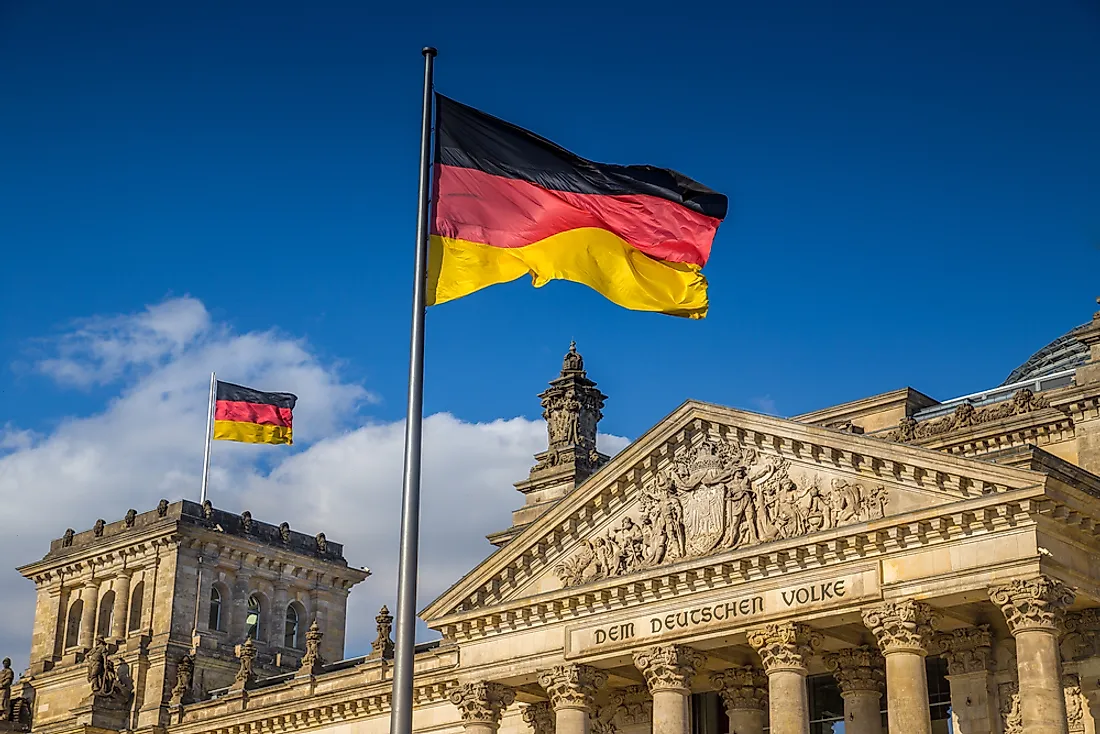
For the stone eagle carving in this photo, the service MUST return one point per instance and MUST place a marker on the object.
(718, 497)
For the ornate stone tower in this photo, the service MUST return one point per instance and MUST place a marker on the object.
(572, 408)
(139, 616)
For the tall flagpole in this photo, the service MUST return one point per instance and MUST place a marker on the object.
(209, 434)
(401, 703)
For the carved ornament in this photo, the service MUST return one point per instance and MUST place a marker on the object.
(785, 646)
(383, 646)
(668, 667)
(1075, 703)
(131, 517)
(967, 650)
(967, 416)
(185, 673)
(162, 508)
(720, 496)
(1012, 720)
(1033, 604)
(482, 702)
(572, 686)
(742, 687)
(904, 626)
(857, 669)
(540, 717)
(312, 661)
(635, 705)
(97, 529)
(246, 674)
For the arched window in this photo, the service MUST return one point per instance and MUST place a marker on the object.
(136, 598)
(290, 635)
(72, 624)
(215, 620)
(106, 614)
(252, 621)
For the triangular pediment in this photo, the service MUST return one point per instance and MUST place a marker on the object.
(707, 481)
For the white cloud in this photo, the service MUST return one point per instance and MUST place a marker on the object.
(146, 444)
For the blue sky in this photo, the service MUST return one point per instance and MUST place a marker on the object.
(914, 196)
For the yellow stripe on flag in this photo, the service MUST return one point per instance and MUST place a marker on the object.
(252, 432)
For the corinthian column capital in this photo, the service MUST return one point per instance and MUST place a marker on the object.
(540, 717)
(966, 650)
(785, 646)
(482, 702)
(742, 688)
(857, 669)
(668, 667)
(572, 686)
(1033, 604)
(902, 626)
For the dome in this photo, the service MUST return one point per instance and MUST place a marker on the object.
(1064, 353)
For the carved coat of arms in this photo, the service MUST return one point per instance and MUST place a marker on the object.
(718, 497)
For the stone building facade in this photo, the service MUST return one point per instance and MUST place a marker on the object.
(894, 564)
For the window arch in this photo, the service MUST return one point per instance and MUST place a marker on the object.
(106, 614)
(136, 598)
(290, 632)
(253, 619)
(214, 622)
(72, 624)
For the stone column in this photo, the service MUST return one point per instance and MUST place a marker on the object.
(744, 692)
(481, 705)
(903, 630)
(277, 632)
(572, 691)
(540, 717)
(969, 655)
(1034, 610)
(89, 595)
(668, 670)
(122, 599)
(785, 649)
(860, 676)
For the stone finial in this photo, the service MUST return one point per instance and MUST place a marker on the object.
(572, 686)
(967, 650)
(857, 669)
(246, 675)
(785, 646)
(382, 647)
(482, 702)
(185, 675)
(572, 408)
(162, 508)
(1033, 604)
(573, 362)
(312, 660)
(540, 717)
(131, 517)
(668, 667)
(904, 626)
(742, 688)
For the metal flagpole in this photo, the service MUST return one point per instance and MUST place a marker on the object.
(209, 435)
(401, 703)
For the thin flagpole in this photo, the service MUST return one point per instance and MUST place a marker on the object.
(209, 435)
(401, 701)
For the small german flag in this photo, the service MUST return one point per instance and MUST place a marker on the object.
(509, 202)
(250, 416)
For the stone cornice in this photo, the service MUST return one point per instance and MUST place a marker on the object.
(906, 397)
(221, 550)
(541, 543)
(924, 528)
(107, 559)
(1044, 426)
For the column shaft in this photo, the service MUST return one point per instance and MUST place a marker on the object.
(790, 706)
(972, 704)
(572, 721)
(89, 595)
(671, 711)
(1042, 702)
(747, 721)
(863, 712)
(907, 693)
(122, 599)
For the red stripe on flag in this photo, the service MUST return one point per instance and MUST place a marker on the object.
(268, 415)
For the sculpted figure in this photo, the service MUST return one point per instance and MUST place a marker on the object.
(741, 524)
(7, 677)
(101, 671)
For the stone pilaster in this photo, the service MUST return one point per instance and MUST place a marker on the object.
(969, 655)
(540, 717)
(785, 650)
(482, 704)
(903, 631)
(572, 691)
(744, 693)
(860, 675)
(668, 670)
(1034, 610)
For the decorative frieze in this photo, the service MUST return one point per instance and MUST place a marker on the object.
(572, 686)
(967, 650)
(720, 496)
(1033, 604)
(540, 717)
(742, 688)
(668, 667)
(785, 646)
(967, 416)
(857, 669)
(482, 702)
(904, 626)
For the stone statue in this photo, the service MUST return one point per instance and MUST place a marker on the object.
(284, 532)
(246, 521)
(162, 508)
(101, 670)
(322, 543)
(185, 673)
(7, 677)
(208, 510)
(131, 517)
(97, 529)
(67, 538)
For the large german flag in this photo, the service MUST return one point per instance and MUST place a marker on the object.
(250, 416)
(508, 202)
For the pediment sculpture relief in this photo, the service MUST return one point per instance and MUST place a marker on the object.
(719, 497)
